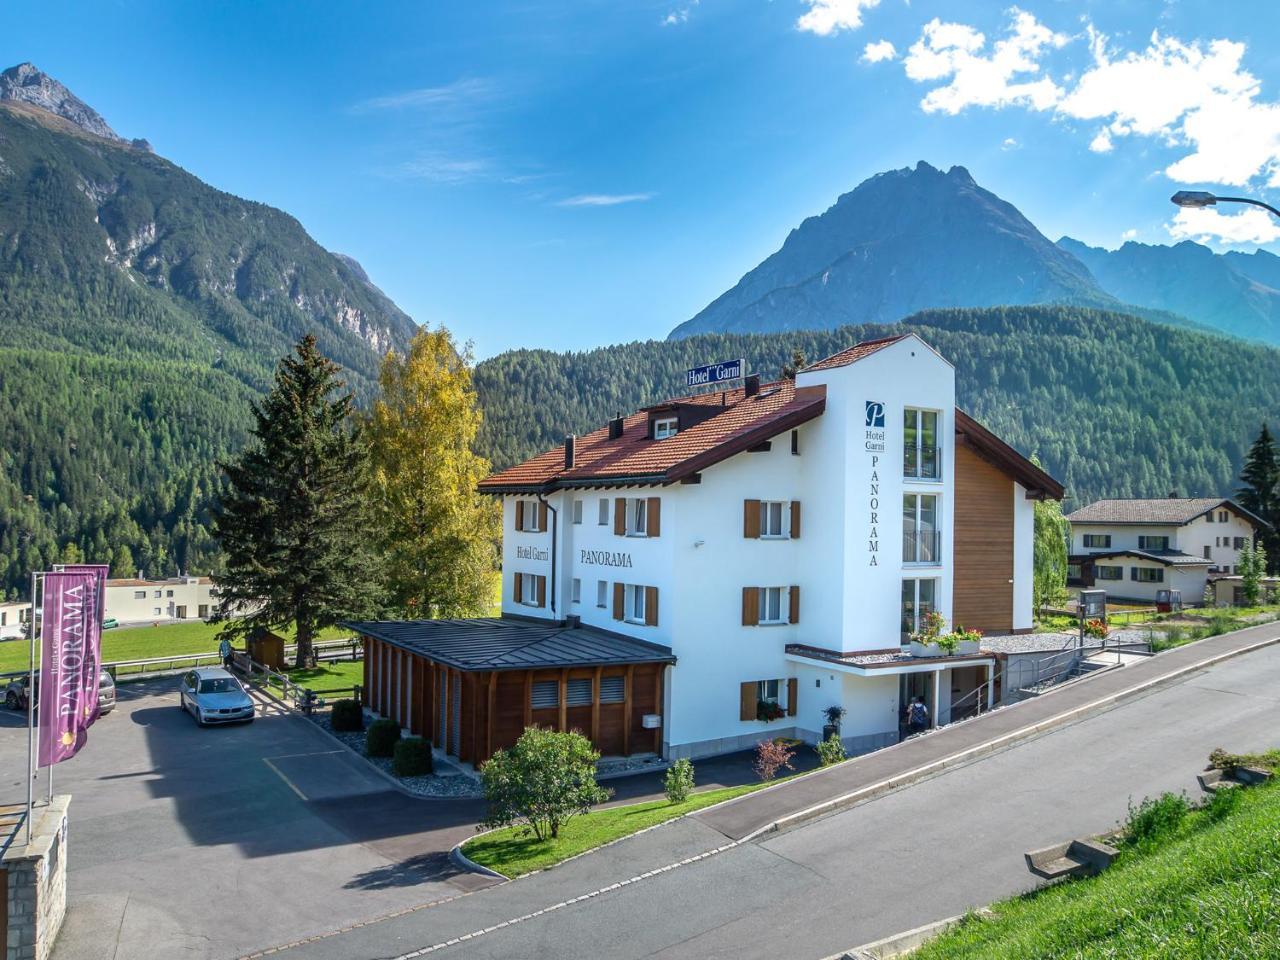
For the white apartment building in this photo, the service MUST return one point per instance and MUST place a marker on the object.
(176, 598)
(728, 565)
(14, 615)
(1133, 549)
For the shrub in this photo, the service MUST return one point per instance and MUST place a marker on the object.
(834, 714)
(541, 782)
(679, 781)
(1158, 819)
(767, 710)
(411, 757)
(1222, 803)
(771, 756)
(831, 750)
(380, 740)
(347, 716)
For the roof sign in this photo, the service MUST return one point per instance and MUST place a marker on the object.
(715, 373)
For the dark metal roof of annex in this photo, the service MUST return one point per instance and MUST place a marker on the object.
(504, 643)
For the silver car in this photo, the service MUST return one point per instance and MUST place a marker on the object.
(212, 695)
(15, 695)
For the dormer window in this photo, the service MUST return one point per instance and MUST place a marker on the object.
(665, 427)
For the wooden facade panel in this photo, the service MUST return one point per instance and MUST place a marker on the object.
(983, 557)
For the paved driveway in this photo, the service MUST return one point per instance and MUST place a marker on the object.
(920, 854)
(207, 843)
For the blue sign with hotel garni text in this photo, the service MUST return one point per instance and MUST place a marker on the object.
(715, 373)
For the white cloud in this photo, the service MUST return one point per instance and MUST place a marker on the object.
(1129, 234)
(1101, 143)
(443, 168)
(826, 17)
(467, 90)
(957, 53)
(879, 51)
(1207, 225)
(679, 15)
(603, 199)
(1010, 144)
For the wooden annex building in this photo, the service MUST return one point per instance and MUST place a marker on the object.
(473, 686)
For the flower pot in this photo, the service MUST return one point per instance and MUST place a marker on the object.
(919, 649)
(830, 730)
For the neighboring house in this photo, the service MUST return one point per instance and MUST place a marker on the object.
(723, 567)
(1135, 548)
(177, 598)
(1229, 591)
(14, 615)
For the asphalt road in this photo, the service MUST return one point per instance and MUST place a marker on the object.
(925, 852)
(207, 843)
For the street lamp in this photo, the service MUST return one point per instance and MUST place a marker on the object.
(1198, 199)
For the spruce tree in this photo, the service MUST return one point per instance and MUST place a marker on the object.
(293, 521)
(1259, 493)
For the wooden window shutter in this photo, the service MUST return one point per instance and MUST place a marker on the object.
(620, 516)
(793, 694)
(651, 606)
(793, 612)
(653, 516)
(795, 519)
(519, 514)
(619, 601)
(519, 584)
(542, 591)
(747, 701)
(542, 516)
(750, 606)
(751, 519)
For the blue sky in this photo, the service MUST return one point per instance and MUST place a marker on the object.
(567, 175)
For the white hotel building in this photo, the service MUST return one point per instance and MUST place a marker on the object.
(723, 567)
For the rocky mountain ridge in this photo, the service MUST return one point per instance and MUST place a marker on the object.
(27, 84)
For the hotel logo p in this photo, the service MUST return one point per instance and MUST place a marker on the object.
(875, 413)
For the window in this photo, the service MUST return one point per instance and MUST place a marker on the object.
(528, 514)
(1208, 517)
(529, 589)
(1238, 544)
(635, 603)
(157, 594)
(767, 690)
(613, 689)
(639, 511)
(1097, 541)
(920, 535)
(1147, 574)
(772, 605)
(168, 593)
(918, 598)
(1108, 573)
(604, 512)
(771, 518)
(1207, 553)
(577, 511)
(1153, 543)
(545, 694)
(1222, 516)
(155, 611)
(139, 594)
(664, 428)
(602, 594)
(578, 692)
(577, 590)
(921, 460)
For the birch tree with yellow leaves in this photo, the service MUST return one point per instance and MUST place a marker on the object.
(439, 535)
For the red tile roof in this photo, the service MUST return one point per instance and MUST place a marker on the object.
(854, 353)
(634, 458)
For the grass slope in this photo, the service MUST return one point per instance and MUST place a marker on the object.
(1212, 891)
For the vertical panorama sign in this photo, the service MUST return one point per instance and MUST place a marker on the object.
(715, 373)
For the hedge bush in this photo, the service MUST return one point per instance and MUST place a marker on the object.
(412, 757)
(347, 716)
(382, 737)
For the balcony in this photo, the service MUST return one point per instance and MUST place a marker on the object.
(922, 547)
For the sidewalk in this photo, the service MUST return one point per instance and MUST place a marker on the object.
(913, 759)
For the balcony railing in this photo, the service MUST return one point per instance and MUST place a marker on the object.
(922, 546)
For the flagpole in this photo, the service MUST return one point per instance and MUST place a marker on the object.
(31, 711)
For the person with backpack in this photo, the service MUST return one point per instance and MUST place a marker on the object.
(917, 716)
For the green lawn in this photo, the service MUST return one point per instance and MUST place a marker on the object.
(511, 853)
(1211, 889)
(331, 680)
(142, 643)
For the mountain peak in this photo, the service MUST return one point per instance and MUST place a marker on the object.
(26, 83)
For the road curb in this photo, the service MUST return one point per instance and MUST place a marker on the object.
(463, 862)
(901, 943)
(874, 790)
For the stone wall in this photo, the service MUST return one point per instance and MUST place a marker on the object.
(37, 883)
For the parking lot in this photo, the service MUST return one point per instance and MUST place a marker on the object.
(211, 843)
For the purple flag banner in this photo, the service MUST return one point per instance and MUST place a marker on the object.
(63, 719)
(93, 634)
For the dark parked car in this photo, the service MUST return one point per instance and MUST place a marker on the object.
(15, 695)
